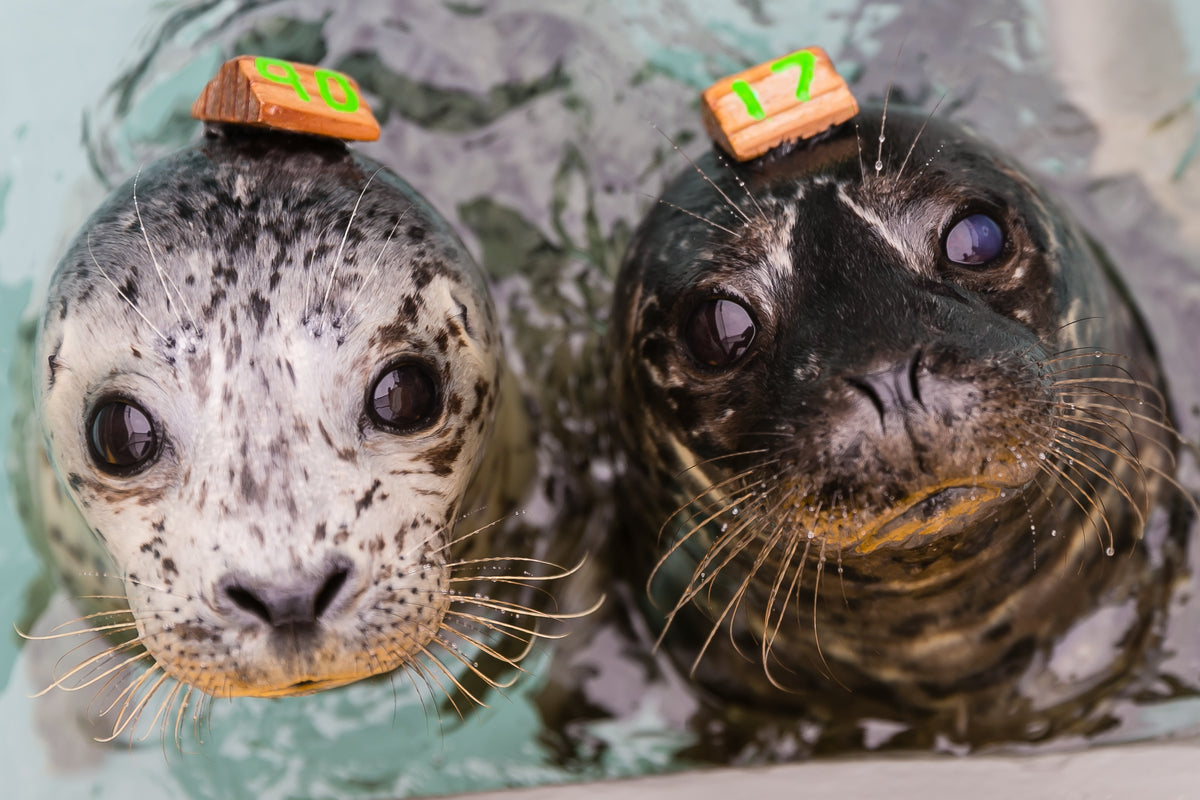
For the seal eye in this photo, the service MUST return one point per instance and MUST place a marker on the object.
(404, 398)
(719, 332)
(122, 438)
(974, 240)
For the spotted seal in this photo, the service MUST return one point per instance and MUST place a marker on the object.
(267, 379)
(893, 432)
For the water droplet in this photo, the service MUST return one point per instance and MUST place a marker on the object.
(734, 511)
(1108, 551)
(812, 534)
(1054, 532)
(878, 166)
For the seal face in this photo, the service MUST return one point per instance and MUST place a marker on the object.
(917, 370)
(265, 375)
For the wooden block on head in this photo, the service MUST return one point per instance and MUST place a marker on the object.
(781, 100)
(272, 93)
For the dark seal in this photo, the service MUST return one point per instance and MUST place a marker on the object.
(895, 442)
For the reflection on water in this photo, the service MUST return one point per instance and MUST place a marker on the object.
(529, 125)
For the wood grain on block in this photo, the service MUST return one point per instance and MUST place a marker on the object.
(255, 90)
(793, 97)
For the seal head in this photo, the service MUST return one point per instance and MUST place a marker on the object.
(918, 370)
(265, 375)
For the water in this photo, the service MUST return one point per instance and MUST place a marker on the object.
(529, 125)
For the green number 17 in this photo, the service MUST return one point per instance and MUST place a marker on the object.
(806, 62)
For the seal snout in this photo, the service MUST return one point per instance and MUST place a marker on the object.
(893, 389)
(287, 607)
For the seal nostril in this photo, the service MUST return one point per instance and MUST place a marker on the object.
(294, 607)
(914, 380)
(872, 395)
(329, 590)
(248, 601)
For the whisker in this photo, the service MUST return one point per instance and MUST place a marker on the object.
(122, 294)
(163, 275)
(729, 200)
(374, 267)
(692, 214)
(337, 259)
(917, 138)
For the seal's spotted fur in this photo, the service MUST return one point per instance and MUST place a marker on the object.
(247, 292)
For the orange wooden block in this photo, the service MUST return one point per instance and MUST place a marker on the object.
(787, 98)
(255, 90)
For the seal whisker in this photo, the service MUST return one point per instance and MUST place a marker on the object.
(705, 574)
(862, 168)
(179, 715)
(693, 214)
(449, 673)
(434, 684)
(506, 632)
(60, 682)
(126, 714)
(1097, 421)
(312, 257)
(496, 604)
(163, 276)
(412, 672)
(769, 631)
(374, 266)
(491, 652)
(724, 162)
(91, 630)
(722, 457)
(161, 715)
(728, 200)
(712, 509)
(678, 544)
(337, 259)
(828, 670)
(734, 603)
(123, 296)
(887, 96)
(917, 138)
(472, 667)
(729, 608)
(1098, 510)
(1076, 450)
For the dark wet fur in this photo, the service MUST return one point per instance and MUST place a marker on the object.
(880, 368)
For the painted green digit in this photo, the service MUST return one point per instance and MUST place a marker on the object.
(324, 76)
(807, 62)
(744, 91)
(288, 76)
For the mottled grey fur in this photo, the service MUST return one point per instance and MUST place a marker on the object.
(247, 292)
